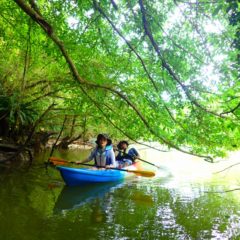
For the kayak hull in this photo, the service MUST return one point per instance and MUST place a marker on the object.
(81, 176)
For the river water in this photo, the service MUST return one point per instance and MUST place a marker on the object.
(186, 200)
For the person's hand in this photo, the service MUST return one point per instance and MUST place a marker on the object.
(108, 166)
(135, 157)
(94, 168)
(100, 168)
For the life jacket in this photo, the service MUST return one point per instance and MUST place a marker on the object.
(128, 154)
(103, 157)
(121, 155)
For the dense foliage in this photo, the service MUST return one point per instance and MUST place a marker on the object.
(163, 71)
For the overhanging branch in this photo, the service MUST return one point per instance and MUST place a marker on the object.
(50, 32)
(166, 66)
(97, 6)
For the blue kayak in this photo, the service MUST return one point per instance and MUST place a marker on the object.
(80, 176)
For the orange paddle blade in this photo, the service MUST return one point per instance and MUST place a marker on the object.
(142, 173)
(58, 161)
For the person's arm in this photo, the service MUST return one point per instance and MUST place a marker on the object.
(84, 161)
(137, 155)
(134, 153)
(90, 157)
(113, 160)
(117, 155)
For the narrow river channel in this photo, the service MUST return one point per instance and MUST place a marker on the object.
(186, 200)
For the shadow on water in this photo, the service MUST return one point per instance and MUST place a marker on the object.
(71, 198)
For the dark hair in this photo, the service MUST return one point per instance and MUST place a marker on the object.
(105, 136)
(122, 142)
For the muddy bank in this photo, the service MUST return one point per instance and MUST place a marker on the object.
(10, 152)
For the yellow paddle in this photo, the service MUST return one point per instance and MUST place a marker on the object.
(59, 161)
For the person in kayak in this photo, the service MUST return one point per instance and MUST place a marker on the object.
(103, 154)
(125, 156)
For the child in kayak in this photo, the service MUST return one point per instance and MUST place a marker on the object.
(125, 156)
(103, 154)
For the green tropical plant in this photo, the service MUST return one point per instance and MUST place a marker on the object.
(18, 114)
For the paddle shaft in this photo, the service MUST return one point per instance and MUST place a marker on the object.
(53, 159)
(148, 162)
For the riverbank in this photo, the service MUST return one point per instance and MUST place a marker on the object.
(75, 145)
(11, 152)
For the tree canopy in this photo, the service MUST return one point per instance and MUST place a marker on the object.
(165, 71)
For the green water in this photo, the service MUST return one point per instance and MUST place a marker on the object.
(35, 204)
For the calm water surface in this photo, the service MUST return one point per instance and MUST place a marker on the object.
(179, 203)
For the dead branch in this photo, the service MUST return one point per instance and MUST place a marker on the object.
(227, 168)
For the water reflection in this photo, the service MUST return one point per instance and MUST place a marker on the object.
(170, 207)
(73, 197)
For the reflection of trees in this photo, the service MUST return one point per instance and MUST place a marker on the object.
(133, 211)
(26, 202)
(173, 216)
(205, 215)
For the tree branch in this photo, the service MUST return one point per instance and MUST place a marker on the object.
(97, 6)
(227, 168)
(49, 30)
(166, 65)
(232, 110)
(26, 59)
